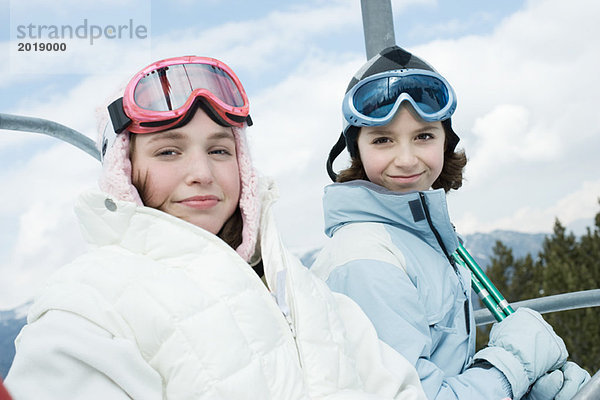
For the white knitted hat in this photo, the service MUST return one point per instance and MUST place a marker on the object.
(116, 179)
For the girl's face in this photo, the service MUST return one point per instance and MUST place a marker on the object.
(405, 155)
(190, 172)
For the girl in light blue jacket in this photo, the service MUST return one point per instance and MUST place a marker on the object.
(392, 240)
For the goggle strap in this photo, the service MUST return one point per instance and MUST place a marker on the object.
(336, 150)
(208, 108)
(120, 120)
(239, 119)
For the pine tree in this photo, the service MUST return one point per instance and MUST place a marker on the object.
(564, 265)
(500, 273)
(558, 261)
(502, 268)
(569, 265)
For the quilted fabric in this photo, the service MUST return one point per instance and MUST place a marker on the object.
(205, 321)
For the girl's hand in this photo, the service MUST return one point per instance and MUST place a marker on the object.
(524, 348)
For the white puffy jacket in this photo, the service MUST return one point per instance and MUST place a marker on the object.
(163, 309)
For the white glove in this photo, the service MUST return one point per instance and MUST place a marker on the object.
(546, 387)
(561, 384)
(524, 347)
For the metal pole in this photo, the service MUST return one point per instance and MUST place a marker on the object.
(591, 390)
(378, 25)
(51, 128)
(548, 304)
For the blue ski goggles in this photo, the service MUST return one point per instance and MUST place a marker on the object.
(375, 100)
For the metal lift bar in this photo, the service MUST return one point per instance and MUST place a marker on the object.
(50, 128)
(548, 304)
(378, 25)
(591, 390)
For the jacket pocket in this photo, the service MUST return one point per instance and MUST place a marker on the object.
(441, 328)
(443, 309)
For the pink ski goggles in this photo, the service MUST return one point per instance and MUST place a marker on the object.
(160, 96)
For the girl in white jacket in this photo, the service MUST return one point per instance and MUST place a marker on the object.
(169, 302)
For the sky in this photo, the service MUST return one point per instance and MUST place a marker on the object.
(525, 73)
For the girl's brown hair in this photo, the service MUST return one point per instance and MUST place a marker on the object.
(451, 176)
(230, 233)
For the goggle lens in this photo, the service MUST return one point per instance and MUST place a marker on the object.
(168, 88)
(375, 99)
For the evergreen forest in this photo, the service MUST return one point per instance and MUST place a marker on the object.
(565, 264)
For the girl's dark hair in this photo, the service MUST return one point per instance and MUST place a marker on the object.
(451, 176)
(230, 233)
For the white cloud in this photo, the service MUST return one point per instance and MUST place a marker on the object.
(9, 138)
(47, 235)
(506, 136)
(451, 26)
(61, 4)
(74, 108)
(301, 115)
(399, 6)
(59, 172)
(297, 123)
(264, 43)
(578, 205)
(526, 60)
(526, 92)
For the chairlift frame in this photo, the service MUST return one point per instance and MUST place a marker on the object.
(379, 34)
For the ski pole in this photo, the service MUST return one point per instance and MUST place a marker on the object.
(483, 286)
(485, 296)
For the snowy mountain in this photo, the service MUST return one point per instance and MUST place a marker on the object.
(11, 322)
(480, 245)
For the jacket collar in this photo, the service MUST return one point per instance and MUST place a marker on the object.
(417, 212)
(105, 220)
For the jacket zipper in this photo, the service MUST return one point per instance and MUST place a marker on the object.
(435, 232)
(448, 256)
(291, 326)
(285, 308)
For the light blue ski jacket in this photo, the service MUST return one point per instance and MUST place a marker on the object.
(390, 252)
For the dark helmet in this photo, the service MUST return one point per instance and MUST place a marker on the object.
(389, 59)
